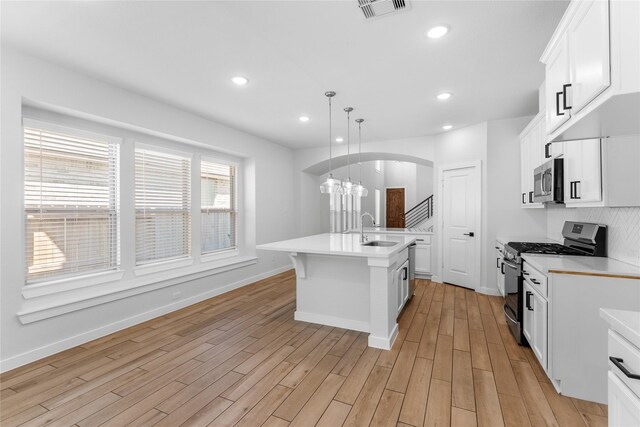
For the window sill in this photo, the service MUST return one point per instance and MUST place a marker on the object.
(68, 284)
(143, 270)
(54, 304)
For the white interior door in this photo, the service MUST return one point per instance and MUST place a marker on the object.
(461, 223)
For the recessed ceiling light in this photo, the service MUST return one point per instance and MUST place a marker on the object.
(339, 139)
(304, 119)
(447, 127)
(437, 31)
(444, 95)
(239, 80)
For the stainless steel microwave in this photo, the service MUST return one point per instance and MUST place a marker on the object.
(548, 182)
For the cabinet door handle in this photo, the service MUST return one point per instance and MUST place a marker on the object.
(530, 196)
(618, 362)
(571, 190)
(576, 190)
(405, 273)
(528, 301)
(535, 281)
(564, 97)
(558, 113)
(547, 151)
(502, 268)
(497, 262)
(524, 202)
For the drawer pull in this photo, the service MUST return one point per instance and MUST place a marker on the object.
(528, 301)
(618, 362)
(535, 281)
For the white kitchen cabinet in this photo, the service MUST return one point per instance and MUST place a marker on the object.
(535, 318)
(532, 140)
(500, 268)
(402, 281)
(582, 172)
(593, 71)
(557, 78)
(423, 255)
(589, 53)
(624, 405)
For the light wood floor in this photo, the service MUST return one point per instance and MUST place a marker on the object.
(241, 359)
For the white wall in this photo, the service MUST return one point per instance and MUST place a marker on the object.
(268, 201)
(505, 215)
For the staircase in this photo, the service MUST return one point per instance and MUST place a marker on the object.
(419, 214)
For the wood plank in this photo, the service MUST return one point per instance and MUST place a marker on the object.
(315, 407)
(429, 337)
(388, 410)
(502, 371)
(514, 413)
(299, 397)
(538, 408)
(352, 356)
(439, 404)
(402, 369)
(263, 410)
(563, 408)
(415, 401)
(461, 335)
(335, 415)
(207, 414)
(416, 328)
(275, 422)
(446, 323)
(462, 394)
(358, 376)
(367, 401)
(479, 352)
(463, 418)
(489, 413)
(443, 362)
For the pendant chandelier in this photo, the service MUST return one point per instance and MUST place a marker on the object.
(360, 190)
(331, 185)
(348, 186)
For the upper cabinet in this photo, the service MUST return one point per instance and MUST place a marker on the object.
(588, 39)
(593, 71)
(557, 80)
(582, 172)
(533, 150)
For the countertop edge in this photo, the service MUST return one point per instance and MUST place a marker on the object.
(531, 259)
(394, 251)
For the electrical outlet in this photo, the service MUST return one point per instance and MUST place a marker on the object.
(176, 295)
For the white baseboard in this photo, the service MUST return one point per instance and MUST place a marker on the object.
(435, 278)
(489, 291)
(385, 343)
(337, 322)
(50, 349)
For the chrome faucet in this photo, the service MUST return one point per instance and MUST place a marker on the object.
(373, 221)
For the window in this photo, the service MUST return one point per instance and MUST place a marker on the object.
(163, 206)
(218, 206)
(70, 200)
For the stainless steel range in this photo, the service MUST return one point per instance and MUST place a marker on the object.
(580, 238)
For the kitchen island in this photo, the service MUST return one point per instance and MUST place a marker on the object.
(342, 283)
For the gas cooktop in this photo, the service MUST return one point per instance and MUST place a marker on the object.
(544, 248)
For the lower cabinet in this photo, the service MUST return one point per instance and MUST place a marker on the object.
(499, 269)
(535, 319)
(402, 280)
(423, 256)
(624, 405)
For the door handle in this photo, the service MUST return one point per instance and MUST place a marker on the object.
(564, 97)
(530, 196)
(618, 362)
(547, 151)
(558, 113)
(470, 234)
(502, 268)
(528, 301)
(524, 202)
(404, 273)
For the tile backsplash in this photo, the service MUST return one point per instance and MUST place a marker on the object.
(623, 231)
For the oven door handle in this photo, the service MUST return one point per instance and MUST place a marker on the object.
(504, 308)
(510, 264)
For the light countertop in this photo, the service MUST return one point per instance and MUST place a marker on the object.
(590, 265)
(386, 230)
(341, 244)
(506, 239)
(626, 323)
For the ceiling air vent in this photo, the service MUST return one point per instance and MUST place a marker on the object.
(376, 8)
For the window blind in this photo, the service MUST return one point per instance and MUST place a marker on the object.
(71, 202)
(218, 206)
(163, 206)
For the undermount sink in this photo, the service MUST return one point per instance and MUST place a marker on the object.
(379, 243)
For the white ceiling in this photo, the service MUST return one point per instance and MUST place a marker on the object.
(184, 53)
